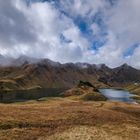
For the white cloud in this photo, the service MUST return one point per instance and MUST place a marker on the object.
(124, 20)
(95, 29)
(134, 60)
(46, 23)
(43, 30)
(82, 8)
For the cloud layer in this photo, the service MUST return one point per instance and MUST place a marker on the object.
(93, 31)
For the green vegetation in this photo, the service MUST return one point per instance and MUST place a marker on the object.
(134, 89)
(93, 97)
(136, 98)
(84, 91)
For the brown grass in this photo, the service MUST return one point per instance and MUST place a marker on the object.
(65, 119)
(84, 92)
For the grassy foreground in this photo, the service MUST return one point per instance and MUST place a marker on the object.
(65, 119)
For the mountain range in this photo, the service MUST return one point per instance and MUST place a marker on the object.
(32, 73)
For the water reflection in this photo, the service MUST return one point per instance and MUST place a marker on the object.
(29, 95)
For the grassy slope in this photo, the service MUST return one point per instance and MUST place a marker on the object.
(84, 91)
(43, 76)
(135, 89)
(86, 94)
(61, 119)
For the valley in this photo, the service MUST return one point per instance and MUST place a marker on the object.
(69, 70)
(46, 100)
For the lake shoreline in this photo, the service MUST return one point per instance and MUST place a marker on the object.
(117, 95)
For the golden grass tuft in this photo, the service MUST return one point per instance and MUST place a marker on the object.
(63, 118)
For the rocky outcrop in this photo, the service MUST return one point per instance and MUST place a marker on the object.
(84, 91)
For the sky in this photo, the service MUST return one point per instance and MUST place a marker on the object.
(92, 31)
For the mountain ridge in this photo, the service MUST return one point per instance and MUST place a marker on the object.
(45, 73)
(32, 60)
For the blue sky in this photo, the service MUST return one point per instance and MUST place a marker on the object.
(93, 31)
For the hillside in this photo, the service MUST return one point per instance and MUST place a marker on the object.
(84, 91)
(134, 88)
(124, 74)
(28, 73)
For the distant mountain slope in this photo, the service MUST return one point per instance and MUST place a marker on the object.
(5, 61)
(124, 74)
(30, 73)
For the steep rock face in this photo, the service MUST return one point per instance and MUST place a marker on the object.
(45, 73)
(124, 75)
